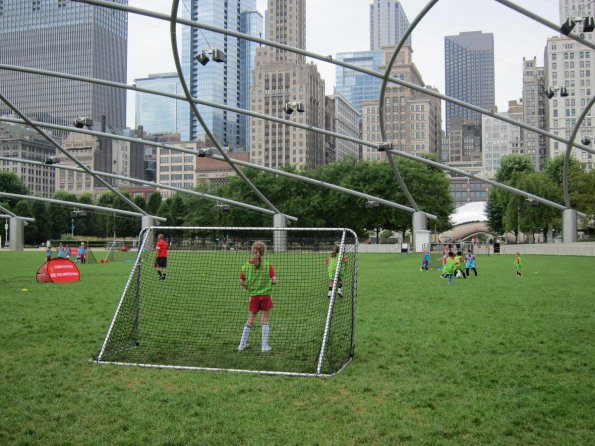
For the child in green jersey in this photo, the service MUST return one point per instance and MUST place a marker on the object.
(518, 264)
(460, 265)
(331, 267)
(258, 278)
(449, 266)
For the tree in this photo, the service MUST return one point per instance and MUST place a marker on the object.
(59, 216)
(496, 209)
(554, 168)
(501, 212)
(11, 183)
(154, 203)
(511, 165)
(583, 195)
(531, 216)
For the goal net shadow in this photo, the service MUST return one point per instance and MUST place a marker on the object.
(195, 317)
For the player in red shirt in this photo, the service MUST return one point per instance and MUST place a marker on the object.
(161, 258)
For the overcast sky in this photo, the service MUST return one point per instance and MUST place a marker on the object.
(335, 26)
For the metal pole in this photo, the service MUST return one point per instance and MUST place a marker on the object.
(154, 184)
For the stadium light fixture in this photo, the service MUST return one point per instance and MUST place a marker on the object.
(370, 204)
(384, 146)
(588, 24)
(204, 152)
(586, 140)
(216, 54)
(292, 106)
(567, 26)
(82, 122)
(551, 92)
(52, 160)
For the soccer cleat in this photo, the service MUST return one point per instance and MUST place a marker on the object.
(340, 292)
(266, 349)
(242, 347)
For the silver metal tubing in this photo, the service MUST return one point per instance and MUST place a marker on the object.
(70, 156)
(381, 103)
(154, 184)
(77, 204)
(209, 134)
(323, 58)
(328, 186)
(255, 166)
(506, 187)
(566, 168)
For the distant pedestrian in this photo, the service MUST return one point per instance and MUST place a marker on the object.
(470, 263)
(61, 251)
(425, 261)
(48, 251)
(161, 257)
(518, 264)
(81, 253)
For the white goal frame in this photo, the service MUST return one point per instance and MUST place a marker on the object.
(147, 239)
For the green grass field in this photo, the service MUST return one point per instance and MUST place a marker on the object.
(492, 360)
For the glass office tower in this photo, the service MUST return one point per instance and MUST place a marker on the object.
(469, 74)
(160, 114)
(355, 86)
(225, 83)
(68, 37)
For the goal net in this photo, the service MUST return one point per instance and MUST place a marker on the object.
(197, 315)
(120, 250)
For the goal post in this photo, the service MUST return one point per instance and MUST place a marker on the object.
(197, 315)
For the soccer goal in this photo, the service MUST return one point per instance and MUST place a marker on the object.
(195, 316)
(120, 250)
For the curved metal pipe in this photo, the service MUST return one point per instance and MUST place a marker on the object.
(381, 104)
(255, 114)
(462, 172)
(566, 168)
(209, 134)
(70, 156)
(329, 59)
(366, 143)
(328, 186)
(78, 205)
(193, 152)
(153, 184)
(545, 22)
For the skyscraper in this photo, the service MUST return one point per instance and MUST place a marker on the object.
(413, 120)
(355, 86)
(388, 24)
(68, 37)
(160, 114)
(534, 111)
(469, 74)
(282, 77)
(568, 66)
(225, 83)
